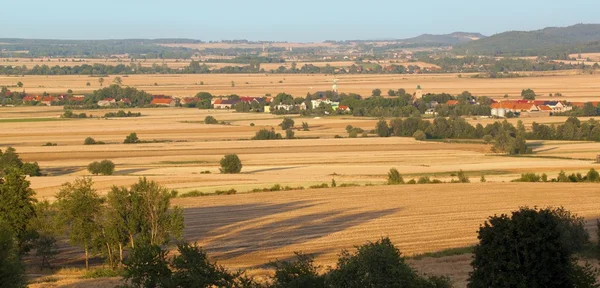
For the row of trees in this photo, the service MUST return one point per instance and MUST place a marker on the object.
(506, 137)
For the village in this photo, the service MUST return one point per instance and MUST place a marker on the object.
(330, 101)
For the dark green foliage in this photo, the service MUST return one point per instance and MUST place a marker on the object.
(376, 92)
(462, 177)
(378, 264)
(89, 141)
(12, 269)
(300, 273)
(231, 164)
(193, 269)
(31, 169)
(147, 266)
(287, 123)
(304, 126)
(529, 177)
(526, 249)
(394, 177)
(210, 120)
(528, 94)
(104, 167)
(131, 139)
(266, 134)
(289, 134)
(122, 114)
(79, 209)
(17, 207)
(382, 129)
(419, 135)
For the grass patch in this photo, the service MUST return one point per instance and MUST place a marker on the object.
(48, 279)
(28, 120)
(444, 253)
(453, 174)
(101, 273)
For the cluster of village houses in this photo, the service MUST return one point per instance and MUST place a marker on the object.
(499, 109)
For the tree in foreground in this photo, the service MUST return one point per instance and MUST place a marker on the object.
(394, 177)
(79, 210)
(192, 268)
(297, 274)
(12, 269)
(378, 264)
(530, 248)
(147, 266)
(17, 207)
(231, 164)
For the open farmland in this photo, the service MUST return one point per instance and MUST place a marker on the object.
(575, 87)
(247, 230)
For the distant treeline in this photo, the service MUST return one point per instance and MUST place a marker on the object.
(505, 136)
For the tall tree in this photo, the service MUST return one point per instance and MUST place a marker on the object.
(80, 210)
(12, 269)
(17, 206)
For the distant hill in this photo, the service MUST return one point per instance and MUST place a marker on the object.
(553, 41)
(444, 39)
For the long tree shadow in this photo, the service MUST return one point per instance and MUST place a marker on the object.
(206, 222)
(273, 169)
(250, 234)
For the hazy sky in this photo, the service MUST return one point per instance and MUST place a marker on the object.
(283, 20)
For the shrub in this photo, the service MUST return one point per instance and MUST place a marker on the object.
(131, 139)
(305, 126)
(319, 186)
(89, 141)
(353, 134)
(287, 123)
(31, 169)
(251, 124)
(289, 134)
(419, 135)
(348, 128)
(394, 177)
(101, 273)
(210, 120)
(266, 134)
(482, 179)
(50, 144)
(231, 164)
(424, 180)
(462, 177)
(538, 255)
(337, 137)
(488, 139)
(382, 129)
(299, 273)
(528, 177)
(378, 264)
(593, 176)
(104, 167)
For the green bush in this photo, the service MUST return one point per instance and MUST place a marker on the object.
(231, 164)
(539, 254)
(104, 167)
(266, 134)
(394, 177)
(287, 123)
(89, 141)
(419, 135)
(210, 120)
(289, 134)
(131, 139)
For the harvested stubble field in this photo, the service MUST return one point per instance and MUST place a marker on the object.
(247, 230)
(573, 85)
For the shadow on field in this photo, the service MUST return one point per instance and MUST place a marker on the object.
(273, 169)
(129, 171)
(233, 231)
(60, 171)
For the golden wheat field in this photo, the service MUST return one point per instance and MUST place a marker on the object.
(573, 85)
(247, 230)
